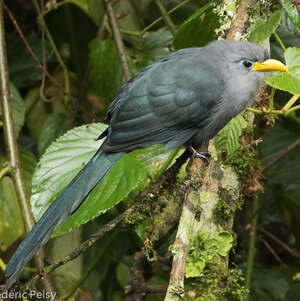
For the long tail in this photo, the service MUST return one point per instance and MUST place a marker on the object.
(65, 204)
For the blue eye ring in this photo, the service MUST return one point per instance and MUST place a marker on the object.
(246, 64)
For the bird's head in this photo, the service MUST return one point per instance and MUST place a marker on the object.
(244, 66)
(244, 58)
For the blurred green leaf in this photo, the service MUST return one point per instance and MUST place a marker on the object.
(289, 35)
(28, 164)
(269, 284)
(123, 274)
(197, 30)
(289, 82)
(264, 31)
(292, 12)
(11, 222)
(107, 77)
(55, 125)
(23, 69)
(284, 81)
(18, 108)
(68, 154)
(228, 137)
(153, 47)
(96, 11)
(283, 182)
(292, 58)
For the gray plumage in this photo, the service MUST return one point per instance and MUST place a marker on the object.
(183, 99)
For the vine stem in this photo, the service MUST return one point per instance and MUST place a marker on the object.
(9, 132)
(55, 50)
(251, 251)
(160, 18)
(279, 40)
(166, 16)
(11, 142)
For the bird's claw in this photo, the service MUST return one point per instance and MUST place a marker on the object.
(202, 155)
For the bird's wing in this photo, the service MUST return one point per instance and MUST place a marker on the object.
(168, 102)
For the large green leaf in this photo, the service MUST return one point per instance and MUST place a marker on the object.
(65, 157)
(28, 164)
(23, 69)
(18, 108)
(197, 30)
(228, 137)
(264, 31)
(55, 125)
(292, 12)
(11, 222)
(288, 81)
(107, 77)
(154, 46)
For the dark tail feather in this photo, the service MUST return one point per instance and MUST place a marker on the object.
(65, 204)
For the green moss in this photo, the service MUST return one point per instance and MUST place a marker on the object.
(226, 207)
(208, 248)
(217, 285)
(243, 161)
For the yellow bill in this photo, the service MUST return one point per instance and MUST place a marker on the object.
(270, 65)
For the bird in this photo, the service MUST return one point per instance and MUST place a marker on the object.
(183, 99)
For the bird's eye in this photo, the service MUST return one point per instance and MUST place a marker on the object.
(246, 64)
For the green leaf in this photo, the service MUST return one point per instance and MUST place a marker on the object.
(123, 274)
(197, 30)
(282, 188)
(194, 268)
(65, 157)
(96, 11)
(107, 77)
(228, 137)
(55, 125)
(292, 12)
(264, 31)
(18, 108)
(23, 69)
(28, 164)
(288, 81)
(154, 46)
(292, 58)
(11, 222)
(284, 81)
(224, 241)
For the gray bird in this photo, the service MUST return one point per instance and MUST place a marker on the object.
(183, 99)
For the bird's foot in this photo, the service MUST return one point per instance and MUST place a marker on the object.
(202, 155)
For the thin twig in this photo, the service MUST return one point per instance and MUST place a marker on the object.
(161, 18)
(30, 50)
(91, 267)
(270, 160)
(252, 244)
(118, 39)
(42, 87)
(166, 16)
(11, 142)
(84, 246)
(272, 251)
(55, 50)
(9, 132)
(278, 241)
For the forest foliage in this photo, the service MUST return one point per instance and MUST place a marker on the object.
(59, 114)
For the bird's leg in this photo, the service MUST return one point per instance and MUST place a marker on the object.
(202, 155)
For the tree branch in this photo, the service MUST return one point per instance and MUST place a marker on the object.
(241, 17)
(118, 39)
